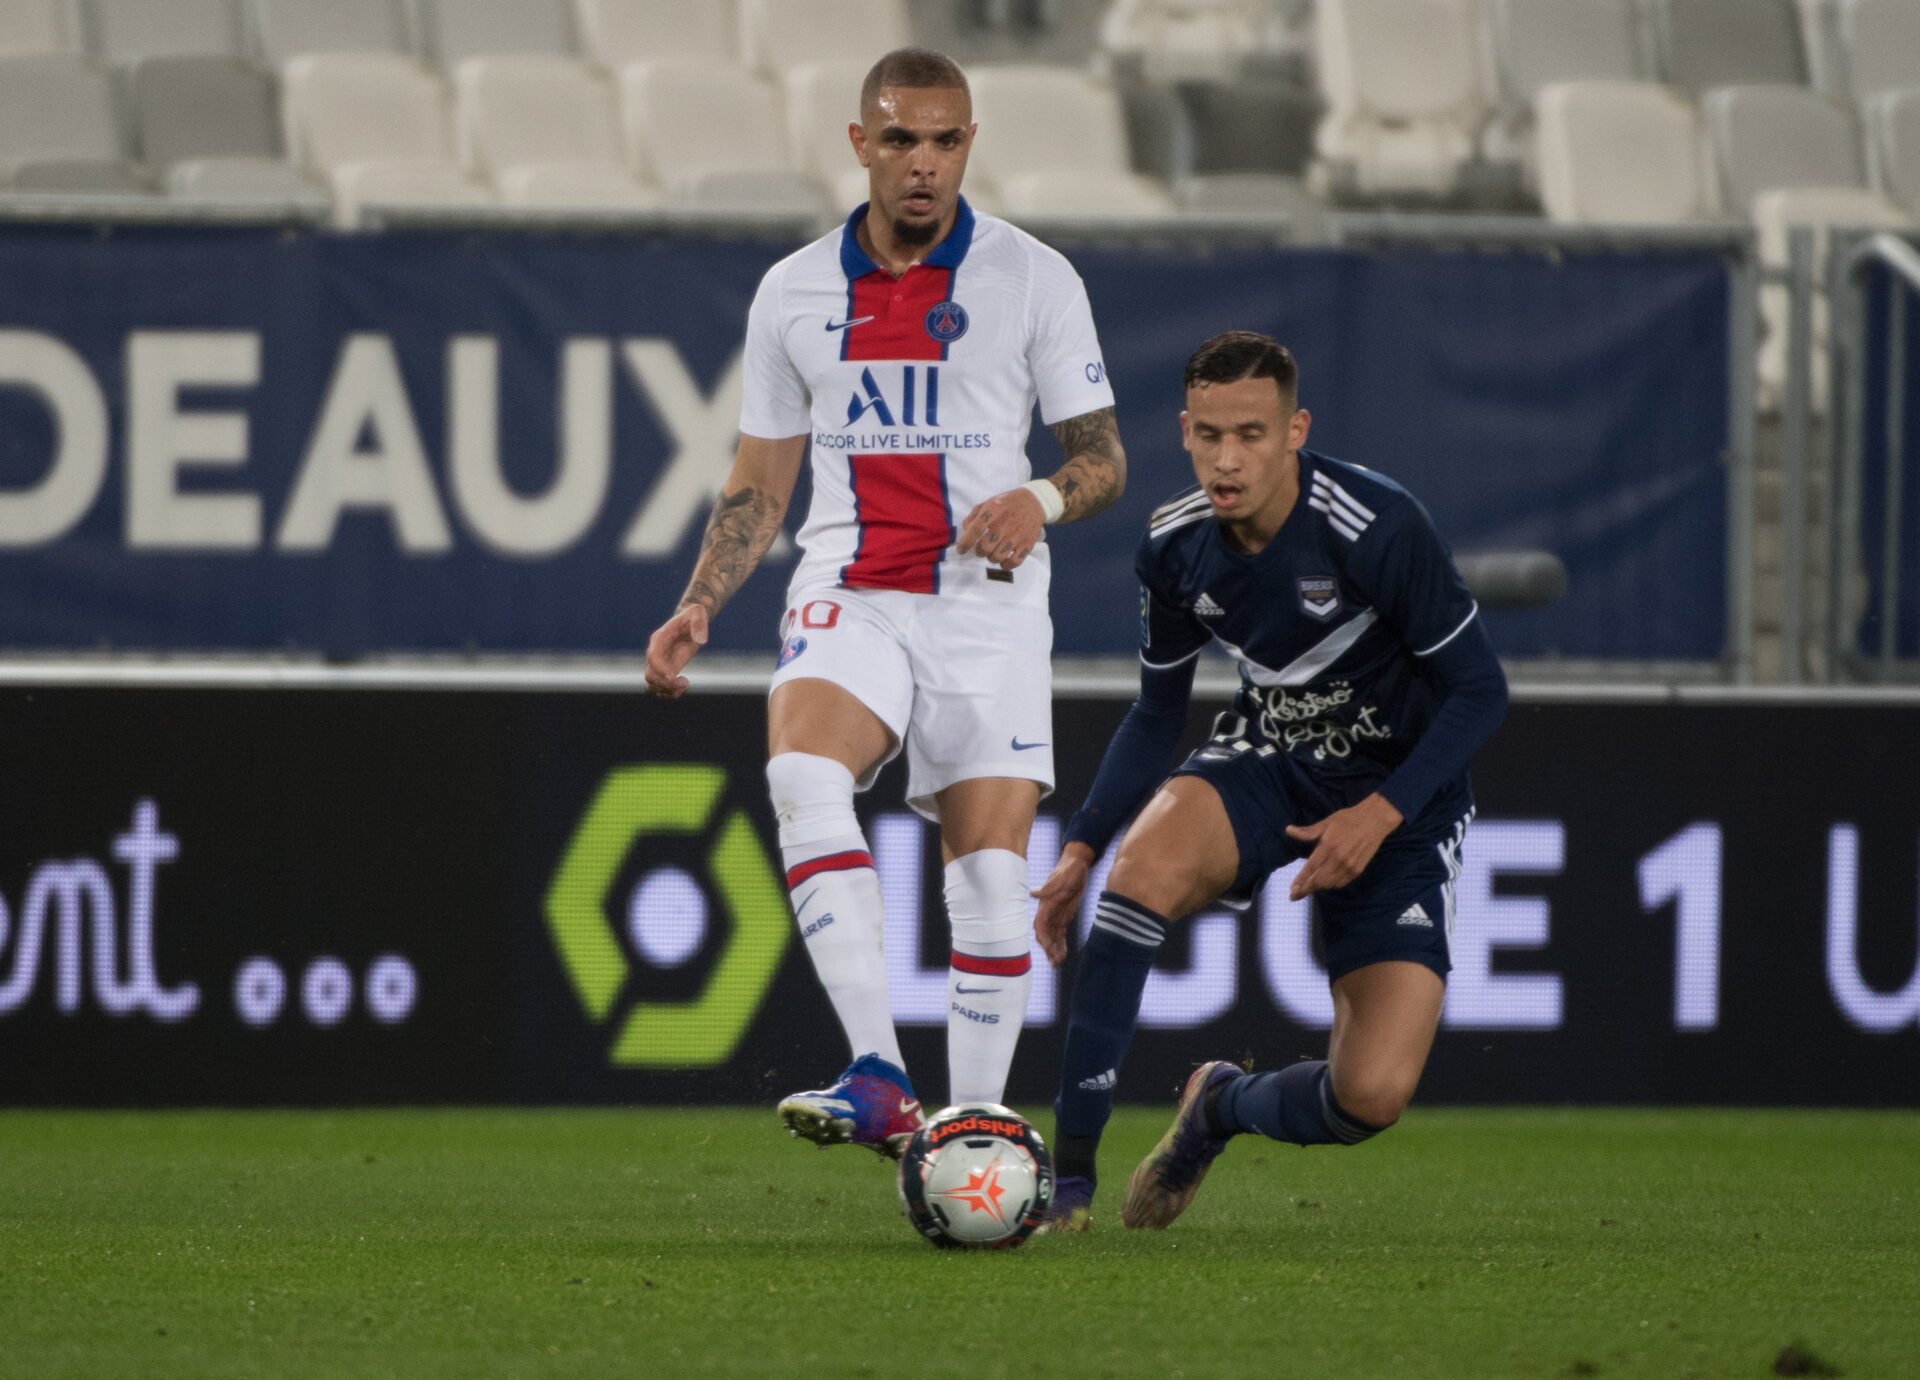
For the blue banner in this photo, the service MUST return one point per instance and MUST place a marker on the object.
(256, 439)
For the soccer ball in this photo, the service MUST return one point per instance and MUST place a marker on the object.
(976, 1177)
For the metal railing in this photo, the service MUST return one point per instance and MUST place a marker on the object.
(1850, 258)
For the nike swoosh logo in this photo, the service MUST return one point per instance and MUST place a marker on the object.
(908, 1106)
(844, 325)
(958, 988)
(1019, 746)
(804, 904)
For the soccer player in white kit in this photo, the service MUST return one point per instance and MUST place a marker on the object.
(909, 347)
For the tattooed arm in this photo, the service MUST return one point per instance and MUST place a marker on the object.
(746, 518)
(1008, 526)
(1096, 470)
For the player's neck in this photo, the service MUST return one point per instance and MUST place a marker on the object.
(1252, 534)
(876, 237)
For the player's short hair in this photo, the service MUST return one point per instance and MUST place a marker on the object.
(915, 69)
(1235, 355)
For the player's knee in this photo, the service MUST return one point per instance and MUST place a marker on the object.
(809, 793)
(1160, 883)
(1375, 1100)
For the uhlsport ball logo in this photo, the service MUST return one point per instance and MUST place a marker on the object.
(637, 803)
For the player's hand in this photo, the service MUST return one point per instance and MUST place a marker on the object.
(670, 649)
(1004, 529)
(1343, 844)
(1059, 898)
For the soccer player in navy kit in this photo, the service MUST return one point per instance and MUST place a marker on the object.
(1367, 682)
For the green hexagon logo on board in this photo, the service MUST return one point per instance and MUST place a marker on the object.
(641, 802)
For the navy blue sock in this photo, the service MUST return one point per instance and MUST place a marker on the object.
(1296, 1104)
(1100, 1021)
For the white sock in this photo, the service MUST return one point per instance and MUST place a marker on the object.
(836, 895)
(989, 972)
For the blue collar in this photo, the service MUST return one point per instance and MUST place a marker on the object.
(946, 254)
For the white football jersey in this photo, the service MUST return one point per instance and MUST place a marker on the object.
(917, 394)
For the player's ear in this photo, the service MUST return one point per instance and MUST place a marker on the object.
(1186, 430)
(1297, 429)
(857, 136)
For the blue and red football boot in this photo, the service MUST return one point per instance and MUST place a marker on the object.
(871, 1104)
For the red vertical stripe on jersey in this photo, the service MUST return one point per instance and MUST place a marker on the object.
(898, 308)
(900, 502)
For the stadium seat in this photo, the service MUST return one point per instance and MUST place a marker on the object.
(1052, 142)
(713, 137)
(38, 26)
(209, 128)
(125, 31)
(777, 34)
(1623, 153)
(60, 128)
(822, 99)
(1709, 43)
(375, 128)
(455, 30)
(1762, 137)
(546, 131)
(288, 29)
(1775, 213)
(1537, 42)
(1198, 40)
(1893, 143)
(1403, 89)
(1879, 45)
(615, 33)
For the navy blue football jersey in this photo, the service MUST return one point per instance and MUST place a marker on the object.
(1328, 622)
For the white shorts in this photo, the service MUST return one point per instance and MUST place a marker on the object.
(965, 684)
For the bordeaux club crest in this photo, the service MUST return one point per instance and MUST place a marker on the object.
(1319, 596)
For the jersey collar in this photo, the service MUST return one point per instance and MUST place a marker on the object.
(946, 254)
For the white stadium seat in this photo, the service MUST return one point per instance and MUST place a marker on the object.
(1055, 123)
(209, 128)
(288, 29)
(456, 30)
(777, 34)
(1624, 153)
(822, 99)
(1403, 89)
(1880, 45)
(1193, 40)
(713, 136)
(1763, 137)
(616, 33)
(1537, 42)
(128, 30)
(1709, 43)
(1893, 140)
(38, 26)
(375, 128)
(60, 127)
(268, 181)
(546, 131)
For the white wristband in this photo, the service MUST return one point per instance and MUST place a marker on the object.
(1052, 502)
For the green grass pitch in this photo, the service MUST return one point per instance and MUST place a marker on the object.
(663, 1243)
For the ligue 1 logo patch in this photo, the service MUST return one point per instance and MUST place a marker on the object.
(1320, 596)
(792, 649)
(947, 322)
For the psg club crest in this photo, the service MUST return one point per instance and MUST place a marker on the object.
(947, 322)
(1320, 596)
(792, 649)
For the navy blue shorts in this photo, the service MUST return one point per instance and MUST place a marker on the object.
(1401, 907)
